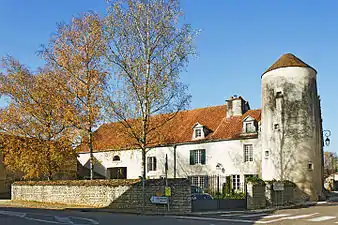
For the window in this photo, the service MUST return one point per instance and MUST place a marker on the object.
(310, 166)
(266, 154)
(236, 182)
(198, 133)
(197, 156)
(248, 153)
(250, 127)
(151, 164)
(116, 158)
(199, 181)
(279, 94)
(276, 126)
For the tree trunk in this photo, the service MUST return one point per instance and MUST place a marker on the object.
(144, 164)
(91, 157)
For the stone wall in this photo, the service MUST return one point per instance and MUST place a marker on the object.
(256, 196)
(277, 198)
(263, 195)
(110, 194)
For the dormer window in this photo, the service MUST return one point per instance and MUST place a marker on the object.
(249, 125)
(200, 131)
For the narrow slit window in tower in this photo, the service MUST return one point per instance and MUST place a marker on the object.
(279, 94)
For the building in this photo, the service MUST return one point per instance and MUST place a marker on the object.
(282, 140)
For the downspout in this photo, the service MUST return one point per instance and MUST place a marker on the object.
(175, 156)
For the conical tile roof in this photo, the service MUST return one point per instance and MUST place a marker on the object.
(288, 60)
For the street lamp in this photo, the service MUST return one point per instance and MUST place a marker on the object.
(219, 167)
(327, 134)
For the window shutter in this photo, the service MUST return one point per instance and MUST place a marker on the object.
(203, 156)
(155, 164)
(192, 157)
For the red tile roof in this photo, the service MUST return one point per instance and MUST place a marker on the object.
(178, 130)
(288, 60)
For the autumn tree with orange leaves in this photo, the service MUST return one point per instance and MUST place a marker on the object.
(75, 52)
(36, 136)
(147, 49)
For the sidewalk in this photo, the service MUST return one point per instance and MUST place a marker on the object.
(270, 209)
(332, 198)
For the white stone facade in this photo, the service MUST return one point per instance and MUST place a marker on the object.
(229, 154)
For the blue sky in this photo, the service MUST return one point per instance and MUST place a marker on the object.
(239, 41)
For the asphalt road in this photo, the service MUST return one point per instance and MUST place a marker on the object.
(24, 216)
(321, 215)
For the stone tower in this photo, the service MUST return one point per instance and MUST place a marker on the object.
(291, 126)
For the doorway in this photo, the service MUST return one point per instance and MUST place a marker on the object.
(117, 173)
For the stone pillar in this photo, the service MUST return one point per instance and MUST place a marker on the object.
(255, 196)
(268, 194)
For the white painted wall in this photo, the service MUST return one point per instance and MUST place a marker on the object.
(295, 157)
(130, 159)
(229, 153)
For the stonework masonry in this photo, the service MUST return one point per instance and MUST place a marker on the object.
(263, 195)
(255, 196)
(128, 198)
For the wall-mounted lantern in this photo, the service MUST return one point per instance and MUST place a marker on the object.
(327, 134)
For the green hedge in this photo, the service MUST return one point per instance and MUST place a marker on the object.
(286, 182)
(255, 180)
(230, 196)
(111, 183)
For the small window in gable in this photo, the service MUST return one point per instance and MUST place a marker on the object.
(249, 125)
(116, 158)
(198, 132)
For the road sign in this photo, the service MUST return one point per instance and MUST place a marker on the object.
(159, 200)
(278, 186)
(167, 191)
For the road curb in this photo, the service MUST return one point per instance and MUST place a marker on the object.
(200, 214)
(271, 209)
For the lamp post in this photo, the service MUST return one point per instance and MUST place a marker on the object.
(327, 134)
(219, 169)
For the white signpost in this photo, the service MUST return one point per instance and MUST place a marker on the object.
(159, 200)
(278, 186)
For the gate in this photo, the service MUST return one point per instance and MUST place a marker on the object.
(224, 195)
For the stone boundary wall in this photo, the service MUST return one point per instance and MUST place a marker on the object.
(126, 197)
(256, 196)
(278, 198)
(263, 195)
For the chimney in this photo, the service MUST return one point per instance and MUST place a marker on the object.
(236, 106)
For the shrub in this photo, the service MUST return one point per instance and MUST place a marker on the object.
(112, 183)
(254, 180)
(227, 186)
(233, 195)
